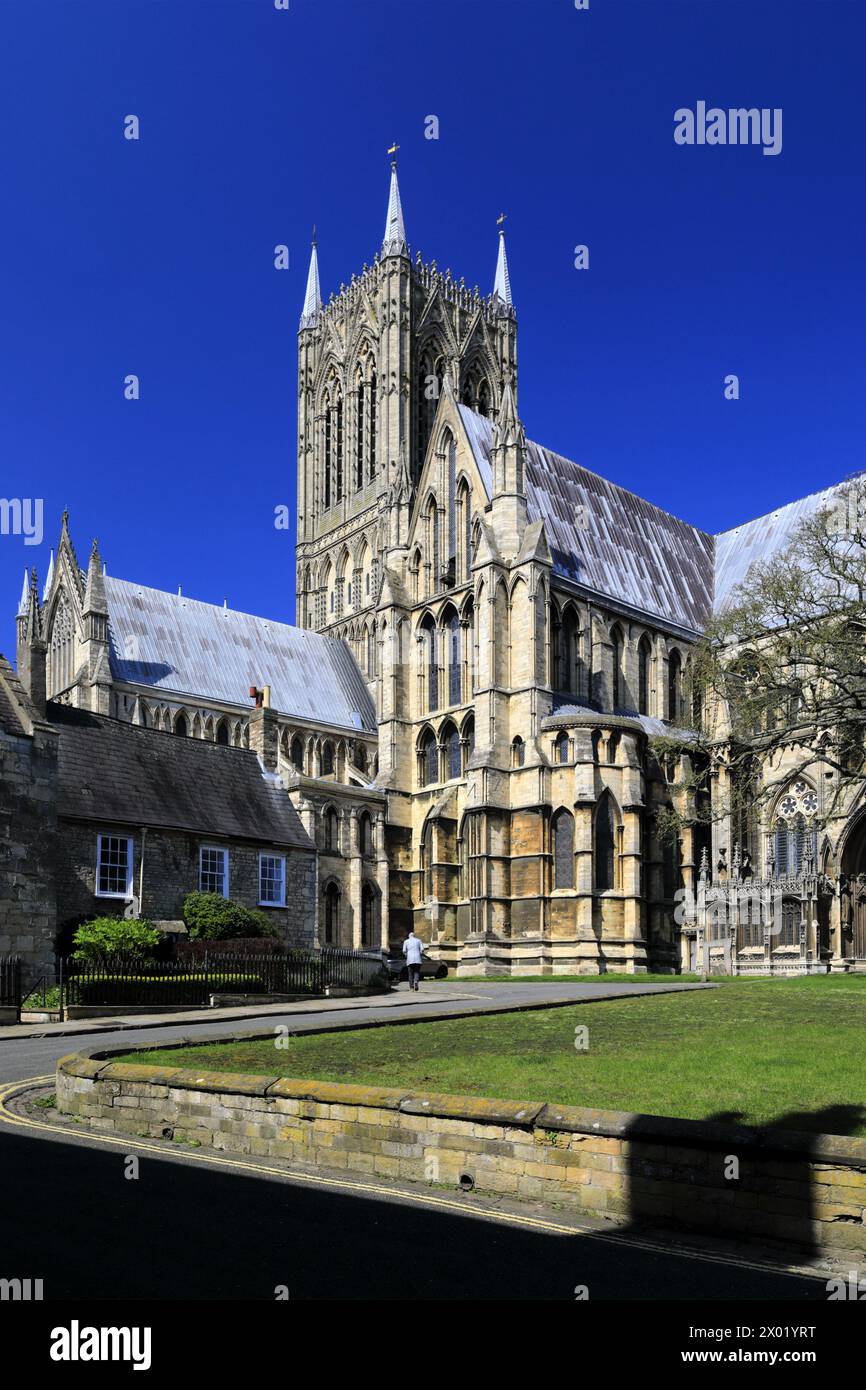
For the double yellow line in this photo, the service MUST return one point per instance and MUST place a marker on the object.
(9, 1090)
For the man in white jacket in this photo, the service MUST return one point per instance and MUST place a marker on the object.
(412, 952)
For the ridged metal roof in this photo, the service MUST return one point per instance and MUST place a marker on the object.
(609, 540)
(761, 539)
(182, 646)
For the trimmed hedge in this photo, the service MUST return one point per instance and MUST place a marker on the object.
(156, 989)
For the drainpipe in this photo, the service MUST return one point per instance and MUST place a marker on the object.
(141, 870)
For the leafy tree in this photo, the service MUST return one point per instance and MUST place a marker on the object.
(108, 936)
(782, 670)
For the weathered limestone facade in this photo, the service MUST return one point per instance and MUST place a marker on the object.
(513, 706)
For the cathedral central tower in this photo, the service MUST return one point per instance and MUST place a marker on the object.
(372, 364)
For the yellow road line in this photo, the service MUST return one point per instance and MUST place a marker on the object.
(126, 1142)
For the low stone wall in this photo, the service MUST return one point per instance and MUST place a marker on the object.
(780, 1188)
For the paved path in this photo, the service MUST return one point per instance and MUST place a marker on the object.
(33, 1049)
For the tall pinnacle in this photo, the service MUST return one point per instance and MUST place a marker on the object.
(395, 230)
(502, 282)
(24, 602)
(313, 297)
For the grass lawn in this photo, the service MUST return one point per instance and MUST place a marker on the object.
(611, 978)
(787, 1053)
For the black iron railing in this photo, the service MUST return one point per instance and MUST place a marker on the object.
(136, 981)
(10, 981)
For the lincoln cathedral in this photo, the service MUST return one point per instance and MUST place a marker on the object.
(456, 735)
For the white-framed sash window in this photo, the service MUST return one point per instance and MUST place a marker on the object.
(213, 870)
(113, 866)
(272, 880)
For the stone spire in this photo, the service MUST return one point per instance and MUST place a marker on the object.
(313, 297)
(395, 230)
(49, 578)
(32, 649)
(24, 601)
(502, 282)
(508, 456)
(94, 593)
(97, 691)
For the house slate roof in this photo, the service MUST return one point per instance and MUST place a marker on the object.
(113, 772)
(181, 646)
(10, 721)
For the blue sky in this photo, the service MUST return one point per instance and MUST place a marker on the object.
(155, 257)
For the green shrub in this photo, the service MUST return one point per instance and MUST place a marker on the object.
(211, 917)
(109, 936)
(145, 989)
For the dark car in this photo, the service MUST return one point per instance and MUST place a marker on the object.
(395, 964)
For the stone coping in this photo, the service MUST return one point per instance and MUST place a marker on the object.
(96, 1064)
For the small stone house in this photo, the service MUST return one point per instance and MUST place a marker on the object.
(144, 819)
(103, 818)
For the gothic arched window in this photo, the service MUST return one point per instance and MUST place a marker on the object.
(454, 671)
(428, 759)
(329, 433)
(616, 690)
(332, 914)
(338, 452)
(569, 638)
(430, 658)
(327, 759)
(468, 738)
(451, 744)
(368, 914)
(796, 831)
(644, 656)
(427, 859)
(435, 550)
(365, 834)
(465, 509)
(518, 752)
(560, 747)
(296, 754)
(675, 665)
(431, 374)
(332, 831)
(604, 846)
(562, 831)
(371, 431)
(60, 656)
(359, 432)
(181, 728)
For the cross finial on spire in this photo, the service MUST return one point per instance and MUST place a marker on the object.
(392, 150)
